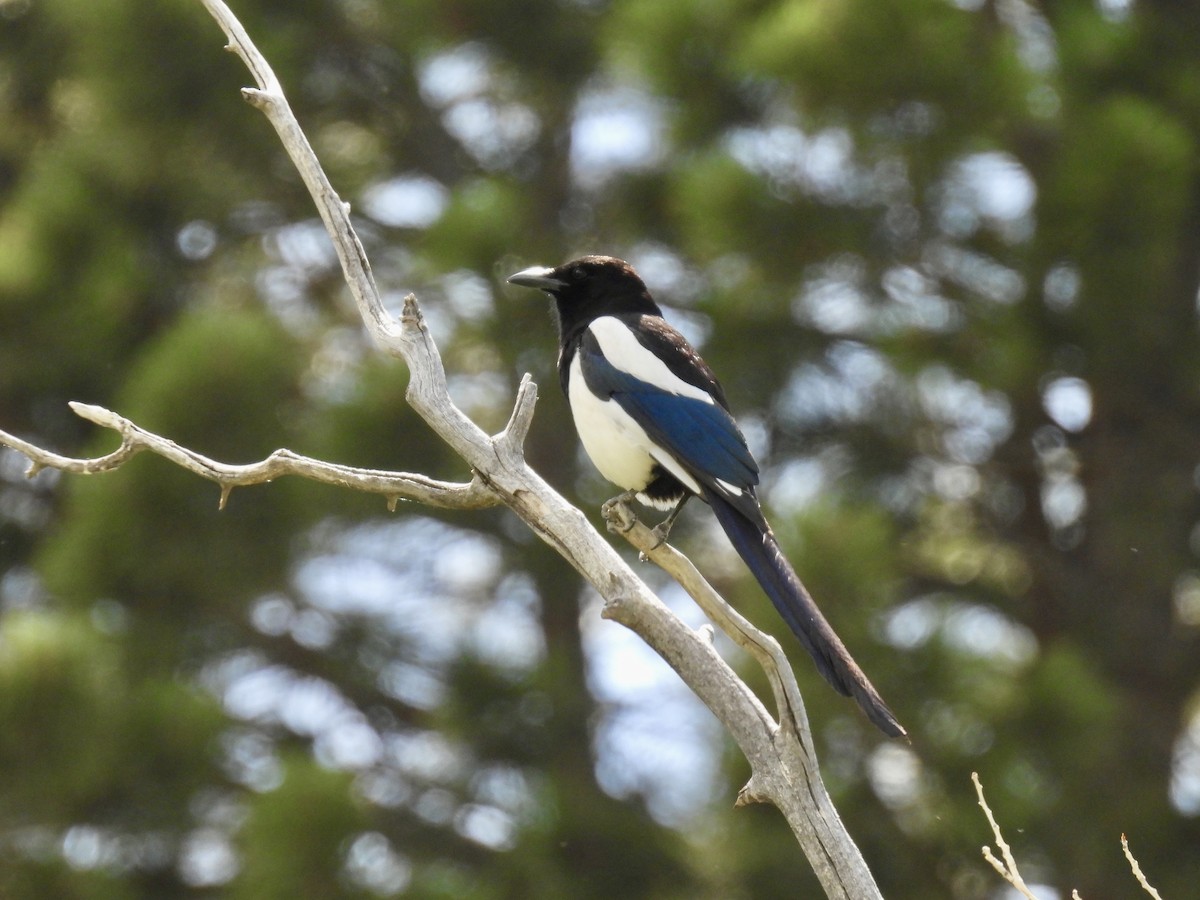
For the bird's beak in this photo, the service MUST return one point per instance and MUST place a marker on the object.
(537, 277)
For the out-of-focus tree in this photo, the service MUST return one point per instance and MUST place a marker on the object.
(943, 255)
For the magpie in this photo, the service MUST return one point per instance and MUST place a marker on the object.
(654, 420)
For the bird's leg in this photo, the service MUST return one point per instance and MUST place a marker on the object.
(663, 529)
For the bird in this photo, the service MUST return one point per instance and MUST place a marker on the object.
(655, 421)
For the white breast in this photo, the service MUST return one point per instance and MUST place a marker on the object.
(617, 445)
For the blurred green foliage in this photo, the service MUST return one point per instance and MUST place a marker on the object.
(944, 256)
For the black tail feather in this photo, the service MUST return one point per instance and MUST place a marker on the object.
(761, 553)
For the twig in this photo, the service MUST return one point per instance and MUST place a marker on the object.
(1008, 868)
(1137, 870)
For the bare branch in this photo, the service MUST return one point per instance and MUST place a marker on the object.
(770, 782)
(1137, 870)
(270, 100)
(783, 764)
(134, 439)
(40, 458)
(764, 648)
(1008, 868)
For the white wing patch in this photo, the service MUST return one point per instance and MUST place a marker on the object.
(732, 489)
(621, 348)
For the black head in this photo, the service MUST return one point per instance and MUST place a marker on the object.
(589, 287)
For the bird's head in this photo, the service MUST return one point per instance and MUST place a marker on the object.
(586, 288)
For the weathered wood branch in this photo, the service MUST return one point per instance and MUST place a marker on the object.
(394, 486)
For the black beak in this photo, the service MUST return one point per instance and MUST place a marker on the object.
(537, 277)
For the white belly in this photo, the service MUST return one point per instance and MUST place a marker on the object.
(614, 442)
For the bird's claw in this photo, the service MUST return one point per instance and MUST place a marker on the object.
(619, 519)
(661, 532)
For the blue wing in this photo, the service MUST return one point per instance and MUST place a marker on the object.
(701, 436)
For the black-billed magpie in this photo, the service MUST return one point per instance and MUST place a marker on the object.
(654, 420)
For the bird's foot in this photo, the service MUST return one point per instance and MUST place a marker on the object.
(621, 520)
(663, 529)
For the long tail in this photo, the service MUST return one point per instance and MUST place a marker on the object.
(762, 555)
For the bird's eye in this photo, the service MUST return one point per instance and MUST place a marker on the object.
(578, 273)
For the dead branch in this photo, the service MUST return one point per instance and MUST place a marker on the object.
(1137, 870)
(395, 486)
(1007, 869)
